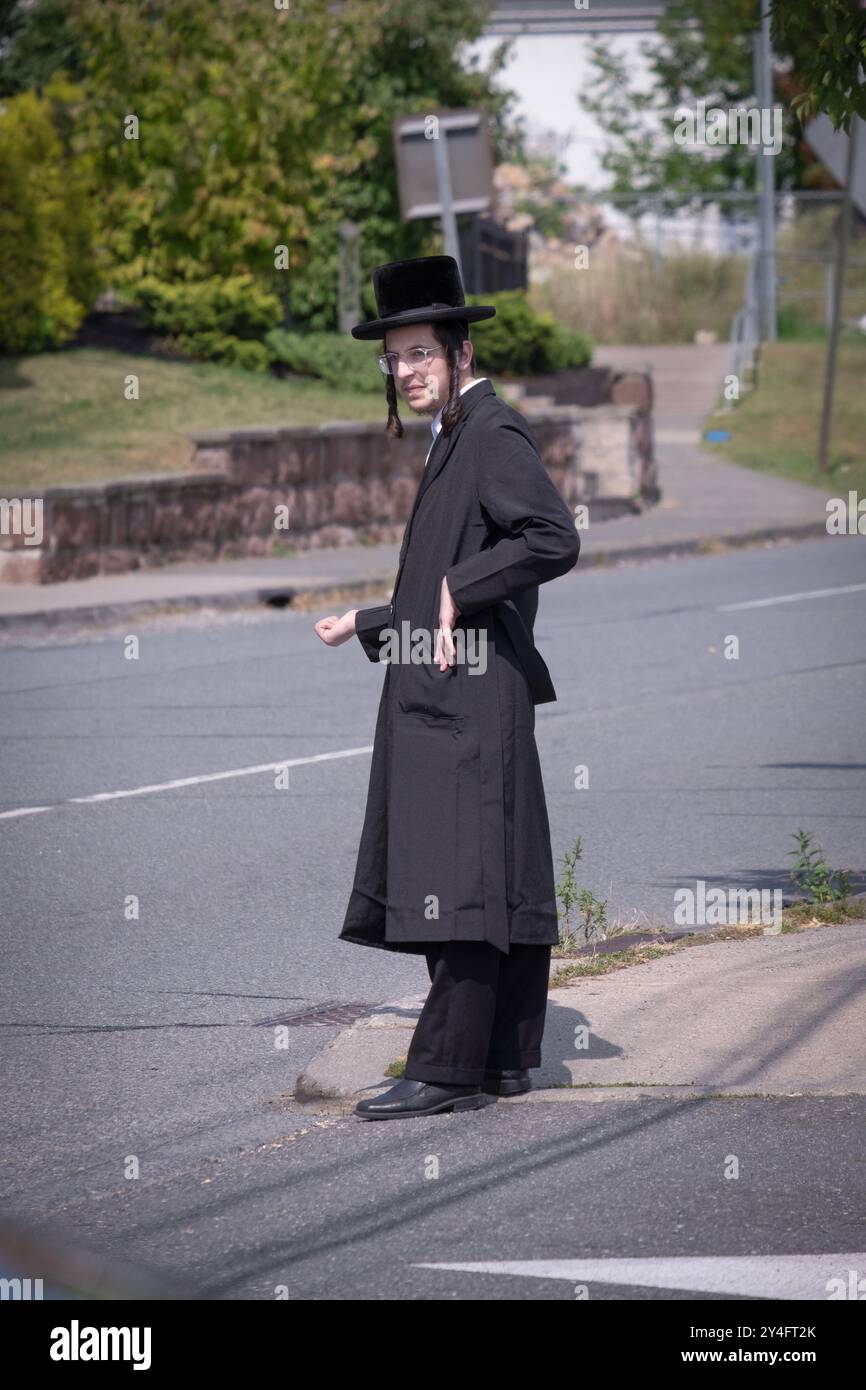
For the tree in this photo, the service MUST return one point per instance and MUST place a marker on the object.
(832, 35)
(48, 268)
(705, 54)
(254, 128)
(829, 37)
(35, 42)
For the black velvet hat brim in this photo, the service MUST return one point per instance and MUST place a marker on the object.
(469, 313)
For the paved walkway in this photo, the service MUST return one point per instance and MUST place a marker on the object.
(768, 1015)
(703, 501)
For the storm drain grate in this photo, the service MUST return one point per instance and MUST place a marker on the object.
(320, 1016)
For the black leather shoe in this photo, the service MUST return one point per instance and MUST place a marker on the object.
(506, 1083)
(419, 1098)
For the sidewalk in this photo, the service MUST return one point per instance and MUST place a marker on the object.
(767, 1015)
(704, 503)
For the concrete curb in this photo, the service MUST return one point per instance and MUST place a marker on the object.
(354, 1064)
(285, 595)
(701, 545)
(103, 614)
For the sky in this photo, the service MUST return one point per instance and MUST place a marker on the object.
(547, 74)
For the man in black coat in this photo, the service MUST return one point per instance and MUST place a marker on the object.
(455, 861)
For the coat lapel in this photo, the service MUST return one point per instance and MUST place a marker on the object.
(441, 453)
(442, 450)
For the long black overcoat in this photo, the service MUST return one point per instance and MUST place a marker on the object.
(456, 841)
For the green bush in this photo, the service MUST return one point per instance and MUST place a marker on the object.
(219, 319)
(223, 348)
(236, 306)
(335, 357)
(519, 341)
(573, 348)
(48, 268)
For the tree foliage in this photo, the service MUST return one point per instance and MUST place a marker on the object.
(35, 42)
(49, 271)
(829, 37)
(257, 128)
(705, 54)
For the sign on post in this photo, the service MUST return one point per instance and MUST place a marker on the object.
(444, 167)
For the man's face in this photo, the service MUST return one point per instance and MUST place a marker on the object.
(425, 385)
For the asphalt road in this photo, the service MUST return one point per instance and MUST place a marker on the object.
(155, 1036)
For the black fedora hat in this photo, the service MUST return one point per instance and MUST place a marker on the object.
(419, 291)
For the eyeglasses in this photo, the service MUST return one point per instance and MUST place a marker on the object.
(414, 358)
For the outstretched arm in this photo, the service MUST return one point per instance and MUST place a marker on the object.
(335, 631)
(369, 625)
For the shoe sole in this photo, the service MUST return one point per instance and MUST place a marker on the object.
(461, 1103)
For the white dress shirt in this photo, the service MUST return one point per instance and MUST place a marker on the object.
(437, 421)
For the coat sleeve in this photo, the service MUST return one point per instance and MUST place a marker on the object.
(369, 624)
(540, 540)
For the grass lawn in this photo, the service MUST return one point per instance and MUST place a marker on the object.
(64, 419)
(775, 428)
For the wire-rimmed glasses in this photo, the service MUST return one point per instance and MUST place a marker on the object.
(416, 358)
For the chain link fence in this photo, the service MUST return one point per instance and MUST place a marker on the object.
(643, 271)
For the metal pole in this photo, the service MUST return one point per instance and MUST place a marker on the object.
(833, 343)
(349, 276)
(759, 229)
(443, 182)
(766, 178)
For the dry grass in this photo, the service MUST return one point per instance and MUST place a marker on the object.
(801, 917)
(629, 298)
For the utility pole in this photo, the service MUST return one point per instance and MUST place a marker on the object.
(763, 60)
(836, 311)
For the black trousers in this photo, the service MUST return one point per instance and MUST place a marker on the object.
(485, 1011)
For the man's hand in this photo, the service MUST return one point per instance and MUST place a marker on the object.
(334, 631)
(445, 652)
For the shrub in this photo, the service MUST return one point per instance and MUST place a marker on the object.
(219, 319)
(223, 348)
(235, 305)
(573, 348)
(519, 341)
(48, 269)
(336, 358)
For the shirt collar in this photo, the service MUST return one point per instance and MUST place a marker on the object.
(437, 421)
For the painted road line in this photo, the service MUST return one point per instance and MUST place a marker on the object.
(790, 598)
(188, 781)
(752, 1276)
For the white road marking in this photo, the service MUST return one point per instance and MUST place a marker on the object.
(790, 598)
(757, 1276)
(188, 781)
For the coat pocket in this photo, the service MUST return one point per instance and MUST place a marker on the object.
(427, 864)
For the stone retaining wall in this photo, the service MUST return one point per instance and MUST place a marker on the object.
(342, 484)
